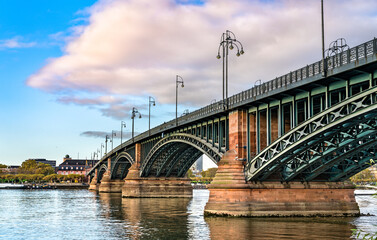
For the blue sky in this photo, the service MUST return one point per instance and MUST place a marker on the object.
(70, 67)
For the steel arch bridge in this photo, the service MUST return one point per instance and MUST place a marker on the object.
(317, 123)
(331, 146)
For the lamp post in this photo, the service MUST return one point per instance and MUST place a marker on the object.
(113, 133)
(177, 82)
(107, 138)
(228, 41)
(323, 41)
(102, 146)
(98, 151)
(151, 101)
(134, 112)
(122, 125)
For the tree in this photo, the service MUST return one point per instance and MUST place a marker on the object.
(32, 167)
(190, 174)
(3, 166)
(209, 173)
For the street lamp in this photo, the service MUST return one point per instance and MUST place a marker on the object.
(134, 112)
(151, 101)
(228, 41)
(113, 133)
(122, 125)
(177, 82)
(323, 41)
(107, 138)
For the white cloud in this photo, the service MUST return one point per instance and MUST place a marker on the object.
(15, 42)
(136, 47)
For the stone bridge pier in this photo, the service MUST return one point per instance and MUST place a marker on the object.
(109, 185)
(232, 195)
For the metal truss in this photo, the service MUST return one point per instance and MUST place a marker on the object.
(165, 153)
(120, 165)
(317, 144)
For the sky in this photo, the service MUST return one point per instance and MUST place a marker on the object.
(71, 71)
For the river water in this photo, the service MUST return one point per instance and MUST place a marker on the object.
(81, 214)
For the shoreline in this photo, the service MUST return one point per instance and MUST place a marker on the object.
(10, 186)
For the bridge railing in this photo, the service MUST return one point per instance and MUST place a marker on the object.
(351, 55)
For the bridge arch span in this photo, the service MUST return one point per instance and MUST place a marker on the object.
(101, 171)
(174, 154)
(121, 164)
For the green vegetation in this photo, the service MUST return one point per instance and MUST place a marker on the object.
(40, 178)
(34, 172)
(32, 167)
(206, 176)
(3, 166)
(365, 176)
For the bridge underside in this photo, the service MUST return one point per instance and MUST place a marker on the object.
(173, 155)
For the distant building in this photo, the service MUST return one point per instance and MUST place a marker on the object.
(197, 167)
(52, 163)
(75, 166)
(199, 164)
(11, 169)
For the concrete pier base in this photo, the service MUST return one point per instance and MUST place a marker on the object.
(110, 186)
(94, 186)
(136, 187)
(231, 195)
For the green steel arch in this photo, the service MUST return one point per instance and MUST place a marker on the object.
(174, 154)
(120, 165)
(327, 147)
(101, 170)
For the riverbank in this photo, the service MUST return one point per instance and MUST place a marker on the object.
(44, 186)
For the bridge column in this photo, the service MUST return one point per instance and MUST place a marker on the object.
(152, 187)
(109, 185)
(231, 195)
(93, 184)
(238, 132)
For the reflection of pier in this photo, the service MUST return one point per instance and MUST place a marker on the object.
(279, 228)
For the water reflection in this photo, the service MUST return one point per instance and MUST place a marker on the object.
(147, 218)
(78, 214)
(279, 228)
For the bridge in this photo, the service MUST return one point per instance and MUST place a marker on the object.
(285, 147)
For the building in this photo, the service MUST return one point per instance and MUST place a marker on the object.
(75, 166)
(11, 169)
(52, 163)
(197, 167)
(199, 164)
